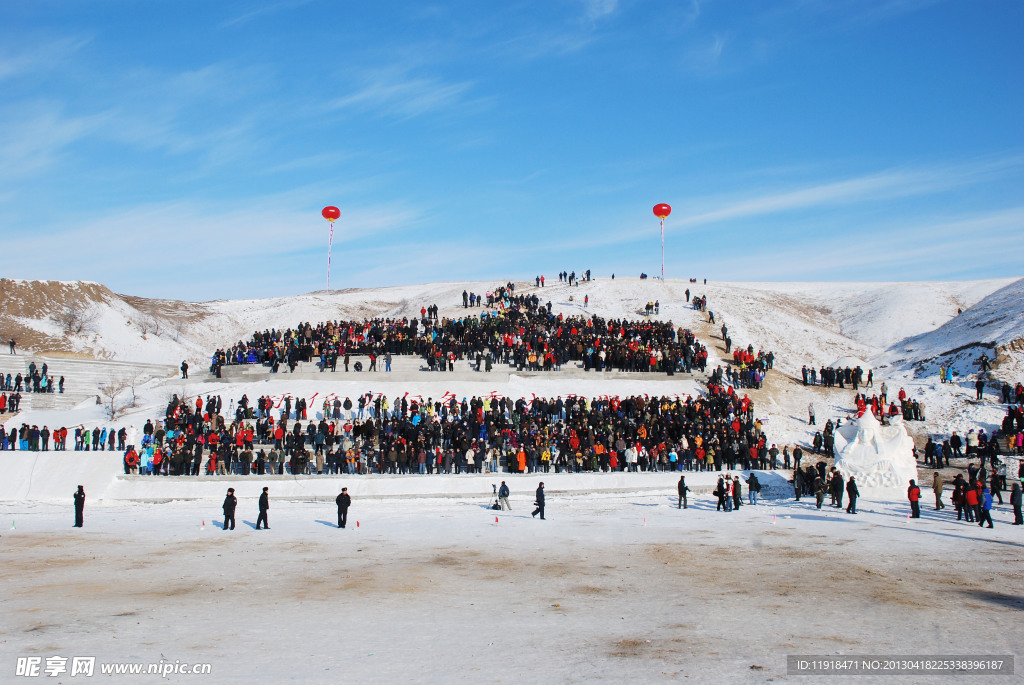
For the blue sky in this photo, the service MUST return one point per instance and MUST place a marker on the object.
(184, 149)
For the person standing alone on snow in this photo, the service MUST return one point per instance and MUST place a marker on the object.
(914, 494)
(230, 502)
(264, 506)
(184, 370)
(810, 414)
(540, 501)
(683, 489)
(79, 507)
(503, 493)
(344, 501)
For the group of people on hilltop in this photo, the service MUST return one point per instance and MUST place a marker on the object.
(570, 278)
(409, 435)
(524, 335)
(531, 337)
(829, 377)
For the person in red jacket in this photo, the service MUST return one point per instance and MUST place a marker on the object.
(970, 503)
(131, 461)
(914, 494)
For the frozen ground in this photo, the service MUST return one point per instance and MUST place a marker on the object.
(612, 587)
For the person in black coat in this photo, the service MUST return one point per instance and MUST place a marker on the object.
(230, 502)
(344, 501)
(737, 493)
(852, 493)
(79, 507)
(683, 489)
(264, 506)
(837, 487)
(540, 501)
(753, 488)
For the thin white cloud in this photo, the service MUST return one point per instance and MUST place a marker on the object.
(692, 214)
(42, 56)
(704, 56)
(34, 136)
(264, 10)
(184, 240)
(559, 39)
(394, 92)
(860, 13)
(323, 159)
(204, 112)
(538, 44)
(884, 185)
(598, 9)
(895, 251)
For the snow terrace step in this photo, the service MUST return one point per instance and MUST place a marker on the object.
(413, 369)
(82, 377)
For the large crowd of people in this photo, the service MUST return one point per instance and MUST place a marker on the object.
(523, 334)
(411, 434)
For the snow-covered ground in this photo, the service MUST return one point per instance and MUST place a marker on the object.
(612, 587)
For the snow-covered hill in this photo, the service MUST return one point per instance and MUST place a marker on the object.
(993, 326)
(802, 322)
(904, 331)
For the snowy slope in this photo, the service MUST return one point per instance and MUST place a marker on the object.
(994, 326)
(803, 323)
(839, 318)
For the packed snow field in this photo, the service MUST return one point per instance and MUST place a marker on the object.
(610, 587)
(617, 584)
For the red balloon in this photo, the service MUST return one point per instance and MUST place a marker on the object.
(332, 213)
(661, 211)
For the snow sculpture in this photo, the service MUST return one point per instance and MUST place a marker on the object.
(878, 456)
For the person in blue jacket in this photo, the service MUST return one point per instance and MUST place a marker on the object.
(986, 508)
